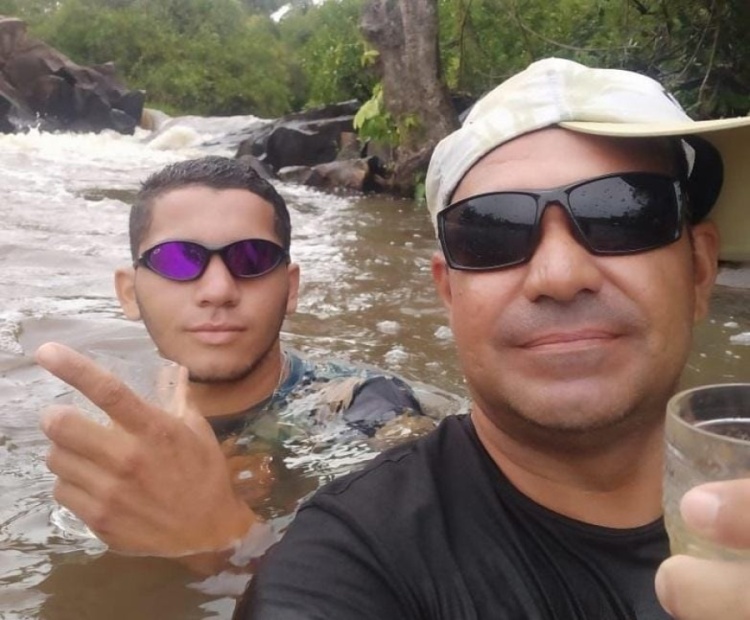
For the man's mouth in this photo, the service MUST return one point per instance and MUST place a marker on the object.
(569, 338)
(216, 333)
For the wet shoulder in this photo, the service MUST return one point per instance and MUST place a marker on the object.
(337, 402)
(333, 381)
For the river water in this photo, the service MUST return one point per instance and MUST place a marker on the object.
(366, 296)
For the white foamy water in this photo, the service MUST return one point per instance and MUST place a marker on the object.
(742, 338)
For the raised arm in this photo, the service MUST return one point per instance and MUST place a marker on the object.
(152, 482)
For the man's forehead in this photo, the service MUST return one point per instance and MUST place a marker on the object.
(197, 212)
(205, 200)
(204, 190)
(553, 156)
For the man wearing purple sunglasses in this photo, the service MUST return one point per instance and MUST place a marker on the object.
(577, 253)
(212, 281)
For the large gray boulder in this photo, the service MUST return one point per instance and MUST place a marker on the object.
(318, 148)
(40, 84)
(304, 138)
(348, 175)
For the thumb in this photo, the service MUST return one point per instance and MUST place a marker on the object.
(718, 511)
(178, 402)
(182, 406)
(695, 589)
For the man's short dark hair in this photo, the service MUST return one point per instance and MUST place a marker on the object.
(214, 172)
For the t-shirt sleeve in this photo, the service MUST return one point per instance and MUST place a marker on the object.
(377, 401)
(321, 570)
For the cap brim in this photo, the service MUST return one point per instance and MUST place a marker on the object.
(731, 137)
(655, 130)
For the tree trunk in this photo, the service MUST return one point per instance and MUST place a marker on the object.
(405, 33)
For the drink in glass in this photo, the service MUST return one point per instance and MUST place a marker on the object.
(707, 439)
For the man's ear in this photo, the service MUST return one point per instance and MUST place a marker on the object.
(125, 288)
(705, 265)
(293, 293)
(441, 277)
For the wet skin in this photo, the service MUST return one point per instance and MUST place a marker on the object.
(571, 340)
(220, 327)
(570, 358)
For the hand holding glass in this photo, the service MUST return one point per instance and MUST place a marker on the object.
(707, 440)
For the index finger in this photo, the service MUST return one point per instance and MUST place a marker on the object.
(101, 387)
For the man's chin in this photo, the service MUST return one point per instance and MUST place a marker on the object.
(219, 376)
(573, 422)
(574, 407)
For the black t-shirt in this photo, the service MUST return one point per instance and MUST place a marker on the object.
(434, 531)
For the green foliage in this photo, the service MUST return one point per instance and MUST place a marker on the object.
(229, 57)
(373, 122)
(329, 51)
(196, 56)
(369, 58)
(214, 56)
(697, 48)
(420, 190)
(32, 11)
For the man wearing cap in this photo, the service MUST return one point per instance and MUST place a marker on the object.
(575, 260)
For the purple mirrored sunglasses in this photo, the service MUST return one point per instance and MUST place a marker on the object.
(183, 261)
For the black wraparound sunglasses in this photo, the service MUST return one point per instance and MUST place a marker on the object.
(615, 214)
(186, 260)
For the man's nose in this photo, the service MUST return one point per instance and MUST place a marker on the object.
(217, 286)
(561, 267)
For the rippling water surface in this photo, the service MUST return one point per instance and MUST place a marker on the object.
(366, 296)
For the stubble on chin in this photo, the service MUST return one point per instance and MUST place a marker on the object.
(231, 375)
(572, 428)
(214, 378)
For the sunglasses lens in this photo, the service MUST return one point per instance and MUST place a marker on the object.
(489, 231)
(252, 257)
(627, 213)
(618, 214)
(185, 260)
(177, 260)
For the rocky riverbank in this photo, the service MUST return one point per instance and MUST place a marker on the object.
(42, 87)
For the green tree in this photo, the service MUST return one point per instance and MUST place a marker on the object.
(190, 56)
(228, 56)
(698, 48)
(329, 52)
(32, 11)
